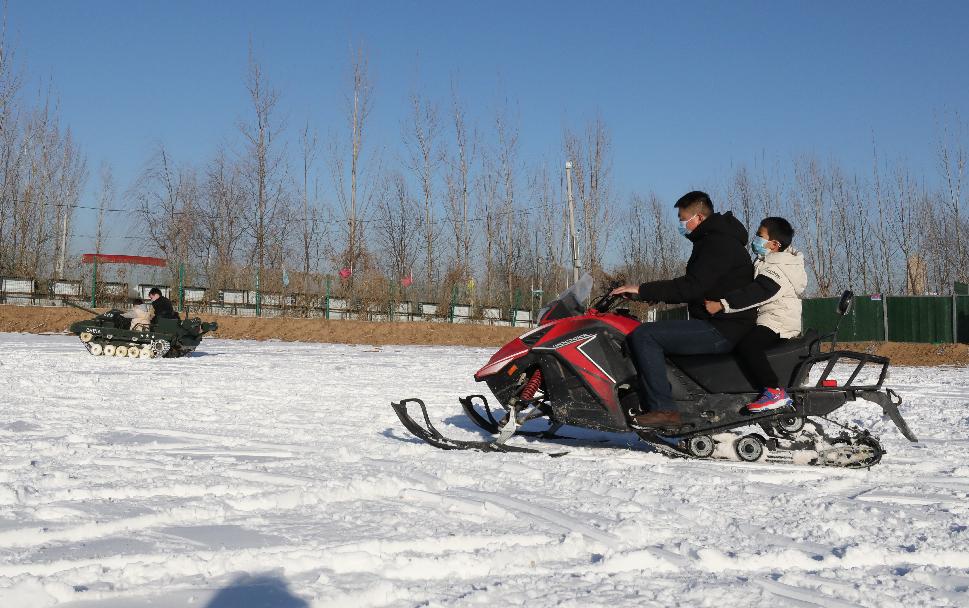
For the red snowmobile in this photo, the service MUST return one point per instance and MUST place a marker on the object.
(575, 369)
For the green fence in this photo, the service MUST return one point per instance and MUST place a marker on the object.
(932, 319)
(910, 318)
(865, 322)
(962, 319)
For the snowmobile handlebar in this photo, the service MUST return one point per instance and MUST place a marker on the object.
(606, 301)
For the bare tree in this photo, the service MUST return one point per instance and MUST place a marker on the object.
(354, 199)
(812, 212)
(590, 154)
(421, 134)
(166, 200)
(907, 219)
(106, 194)
(740, 196)
(42, 174)
(952, 163)
(882, 231)
(398, 227)
(489, 208)
(263, 161)
(507, 221)
(221, 221)
(547, 222)
(10, 82)
(311, 225)
(459, 183)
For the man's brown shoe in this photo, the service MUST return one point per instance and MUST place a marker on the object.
(659, 419)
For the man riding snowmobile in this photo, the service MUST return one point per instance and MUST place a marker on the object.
(718, 264)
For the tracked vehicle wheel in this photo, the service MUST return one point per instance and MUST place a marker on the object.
(134, 352)
(790, 425)
(121, 351)
(97, 350)
(145, 352)
(109, 350)
(86, 336)
(700, 446)
(749, 448)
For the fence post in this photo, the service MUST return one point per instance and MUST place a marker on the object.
(390, 303)
(955, 318)
(326, 301)
(514, 310)
(258, 296)
(181, 287)
(454, 301)
(885, 317)
(94, 283)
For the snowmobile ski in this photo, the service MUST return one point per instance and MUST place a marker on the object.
(429, 433)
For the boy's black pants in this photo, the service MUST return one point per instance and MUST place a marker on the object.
(750, 351)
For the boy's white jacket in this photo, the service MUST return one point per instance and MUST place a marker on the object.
(139, 313)
(780, 310)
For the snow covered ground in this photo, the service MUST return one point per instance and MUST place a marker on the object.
(275, 474)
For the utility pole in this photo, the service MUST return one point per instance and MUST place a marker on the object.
(63, 247)
(574, 237)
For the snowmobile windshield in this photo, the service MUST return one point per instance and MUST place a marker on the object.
(569, 303)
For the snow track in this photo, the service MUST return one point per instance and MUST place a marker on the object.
(277, 472)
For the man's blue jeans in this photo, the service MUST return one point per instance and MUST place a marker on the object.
(651, 342)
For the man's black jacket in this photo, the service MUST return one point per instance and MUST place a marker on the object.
(164, 309)
(718, 265)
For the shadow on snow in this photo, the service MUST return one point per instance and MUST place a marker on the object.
(259, 591)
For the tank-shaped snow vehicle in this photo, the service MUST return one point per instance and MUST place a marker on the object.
(110, 334)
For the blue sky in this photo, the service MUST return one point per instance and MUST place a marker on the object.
(688, 90)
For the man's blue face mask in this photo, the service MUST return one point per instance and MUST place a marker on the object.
(682, 227)
(759, 245)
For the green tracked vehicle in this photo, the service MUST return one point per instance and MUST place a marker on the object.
(109, 334)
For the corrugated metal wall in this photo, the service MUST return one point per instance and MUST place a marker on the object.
(910, 318)
(864, 323)
(920, 319)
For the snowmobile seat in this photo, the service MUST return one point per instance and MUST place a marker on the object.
(723, 374)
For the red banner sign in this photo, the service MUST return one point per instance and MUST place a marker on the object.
(139, 260)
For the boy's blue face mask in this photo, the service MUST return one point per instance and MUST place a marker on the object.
(759, 245)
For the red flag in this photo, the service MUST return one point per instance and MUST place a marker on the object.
(345, 273)
(408, 280)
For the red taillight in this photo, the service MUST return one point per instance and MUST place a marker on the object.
(829, 383)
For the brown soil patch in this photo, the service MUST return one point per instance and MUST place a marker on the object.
(908, 353)
(57, 319)
(39, 319)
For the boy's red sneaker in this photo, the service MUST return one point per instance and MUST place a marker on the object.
(770, 399)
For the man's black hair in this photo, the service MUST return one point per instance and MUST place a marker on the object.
(154, 291)
(780, 230)
(698, 200)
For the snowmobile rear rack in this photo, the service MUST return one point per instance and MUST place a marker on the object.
(859, 360)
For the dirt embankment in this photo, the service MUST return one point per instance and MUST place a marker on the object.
(907, 353)
(56, 319)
